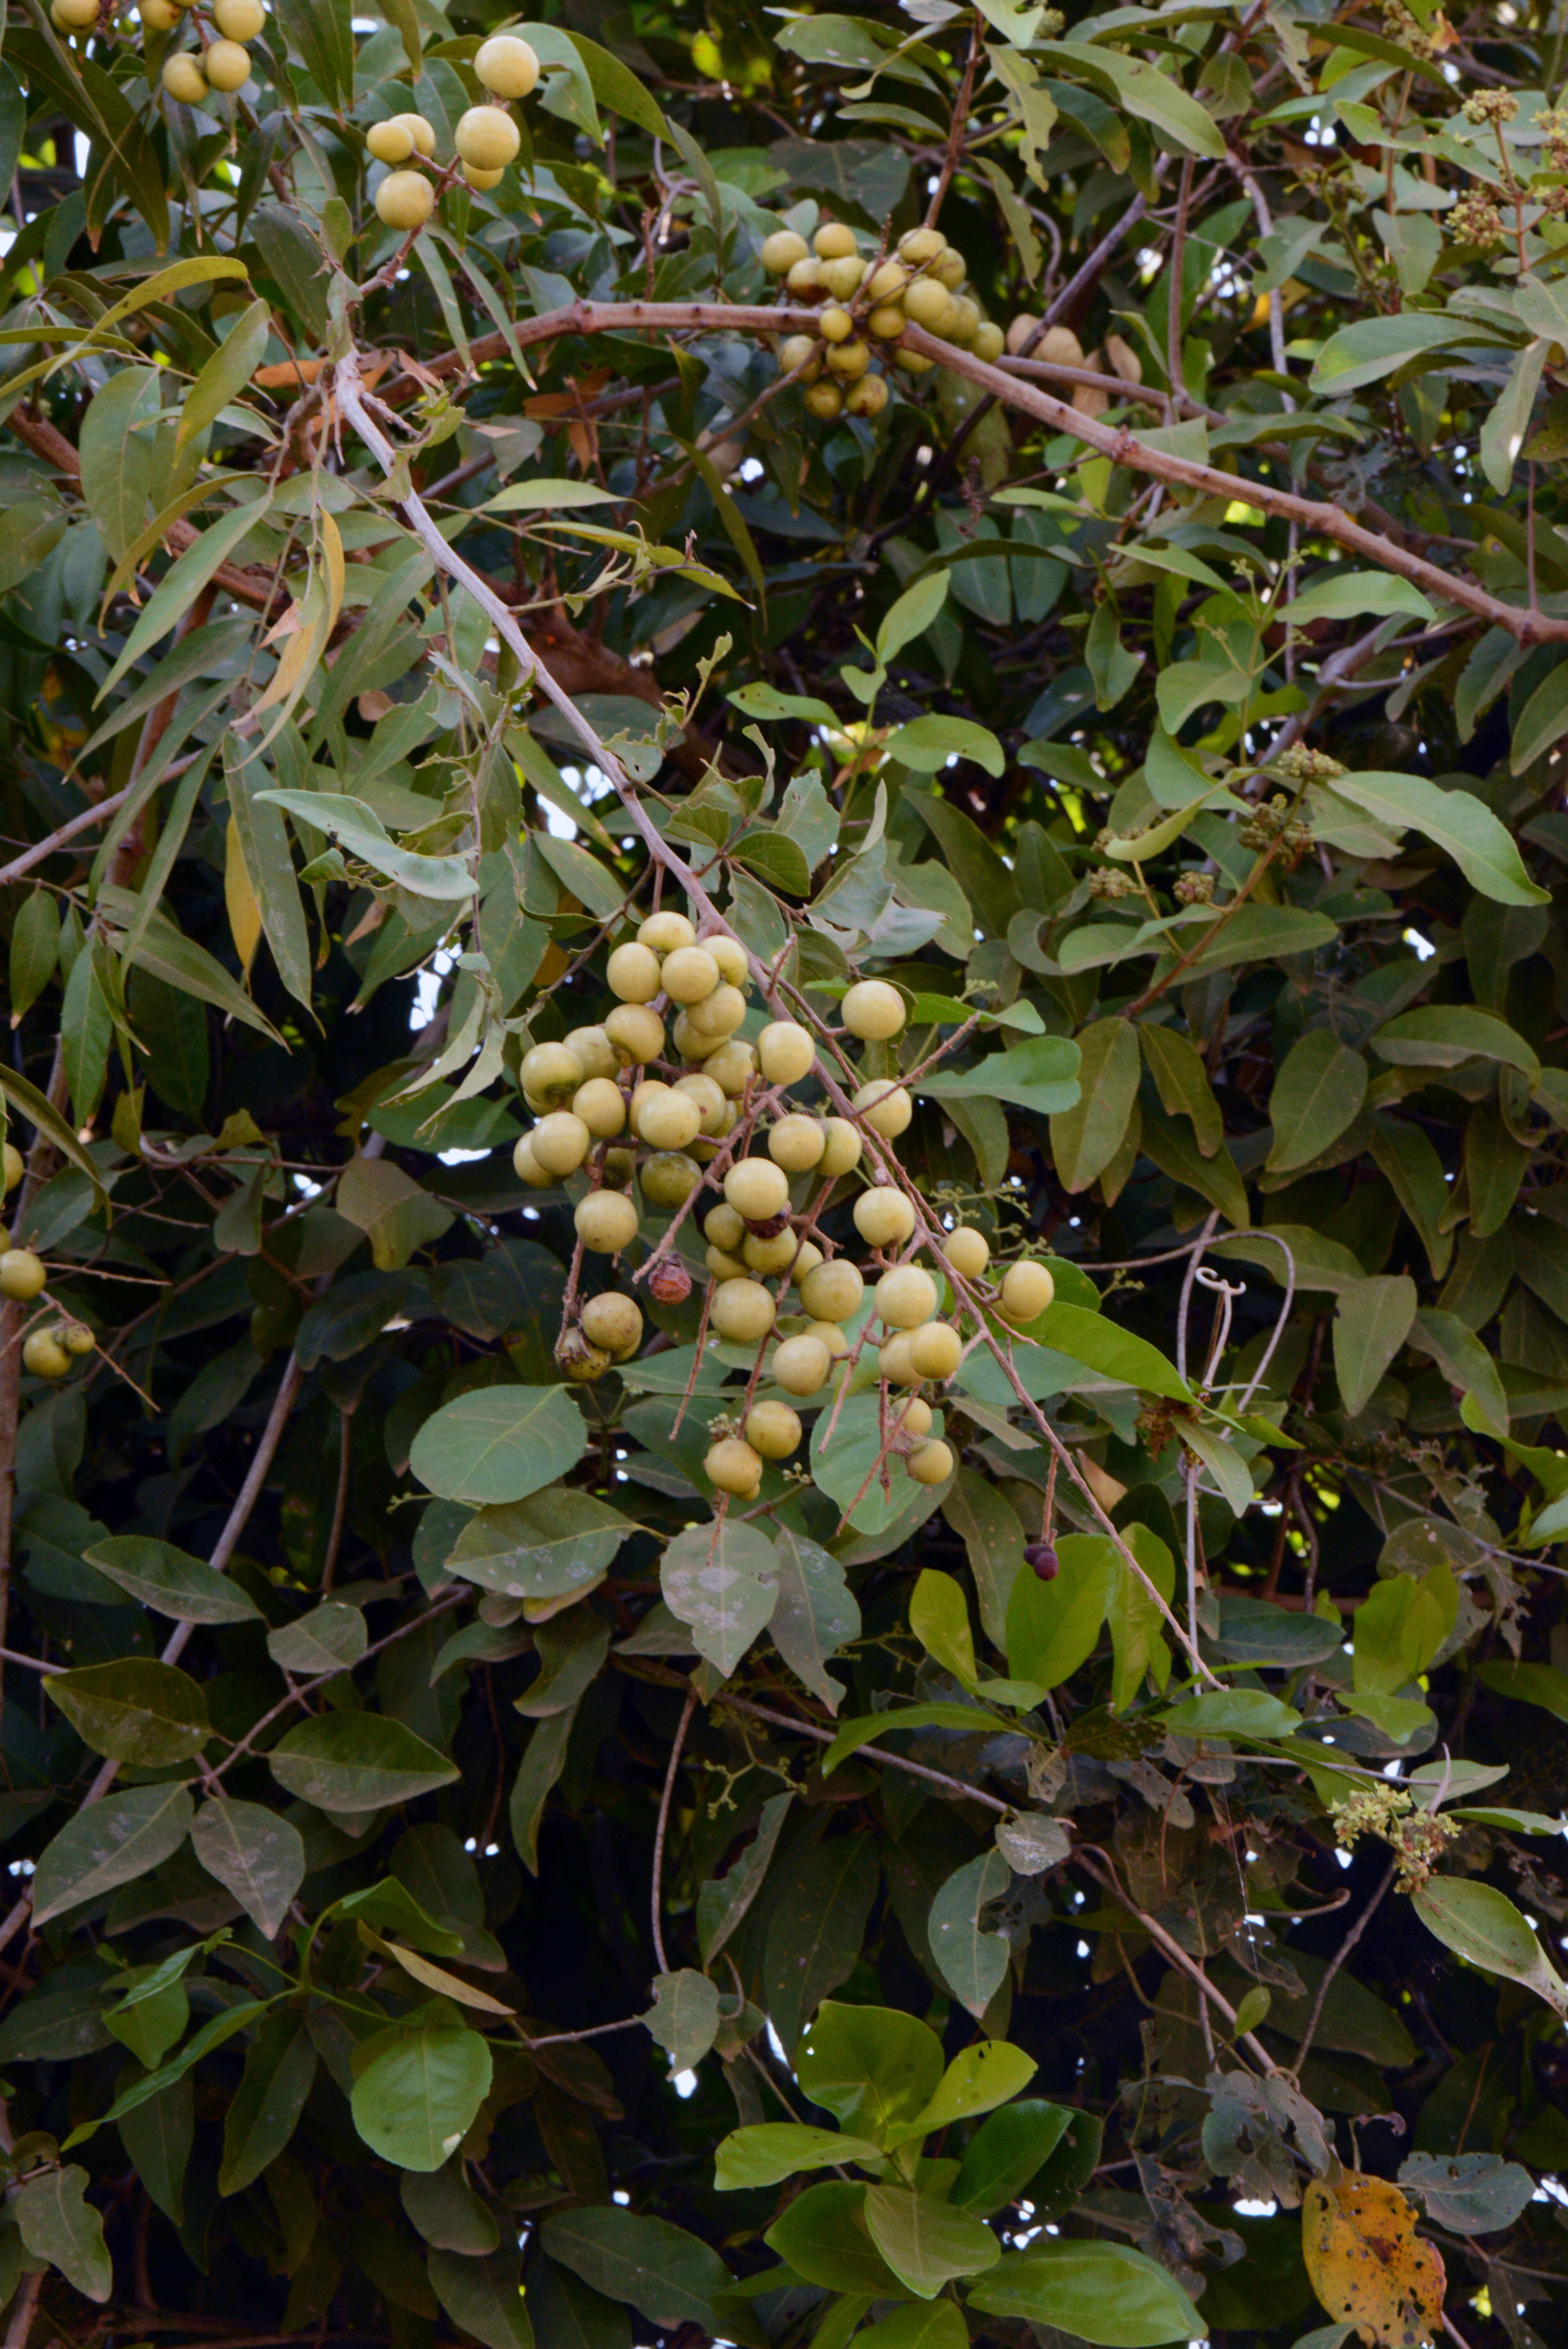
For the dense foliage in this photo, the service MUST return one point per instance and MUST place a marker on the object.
(556, 1786)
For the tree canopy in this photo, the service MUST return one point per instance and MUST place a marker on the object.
(784, 1346)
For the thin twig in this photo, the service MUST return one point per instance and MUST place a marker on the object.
(686, 1710)
(1315, 2014)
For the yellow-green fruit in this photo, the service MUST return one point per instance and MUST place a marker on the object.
(669, 1121)
(987, 342)
(690, 974)
(526, 1168)
(482, 182)
(1026, 1290)
(773, 1429)
(730, 956)
(913, 1416)
(893, 1363)
(227, 65)
(886, 1107)
(158, 16)
(949, 270)
(44, 1356)
(560, 1143)
(922, 246)
(73, 15)
(12, 1167)
(22, 1275)
(592, 1047)
(723, 1266)
(967, 1251)
(883, 1218)
(936, 1350)
(869, 396)
(933, 1464)
(873, 1010)
(183, 78)
(801, 1365)
(843, 278)
(600, 1106)
(797, 1142)
(664, 932)
(887, 282)
(804, 279)
(782, 250)
(718, 1014)
(799, 351)
(742, 1311)
(966, 319)
(834, 240)
(912, 362)
(723, 1226)
(606, 1222)
(576, 1359)
(842, 1147)
(405, 200)
(808, 1256)
(613, 1324)
(617, 1170)
(636, 1032)
(239, 20)
(669, 1178)
(487, 137)
(716, 1115)
(757, 1189)
(849, 360)
(631, 974)
(887, 321)
(784, 1051)
(508, 67)
(832, 1292)
(732, 1066)
(420, 131)
(906, 1297)
(775, 1254)
(389, 142)
(732, 1466)
(836, 324)
(77, 1338)
(829, 1334)
(929, 305)
(551, 1074)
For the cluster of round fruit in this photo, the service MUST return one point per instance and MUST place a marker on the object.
(49, 1352)
(486, 138)
(1059, 346)
(187, 75)
(920, 284)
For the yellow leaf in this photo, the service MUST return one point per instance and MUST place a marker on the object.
(1367, 2268)
(436, 1978)
(244, 913)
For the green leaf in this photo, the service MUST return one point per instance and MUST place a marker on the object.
(683, 2018)
(265, 2108)
(1090, 1339)
(558, 1542)
(1006, 2153)
(1053, 1628)
(926, 2242)
(254, 1854)
(483, 2297)
(717, 1580)
(1446, 1035)
(109, 1842)
(360, 830)
(1039, 1074)
(815, 1931)
(115, 445)
(39, 1111)
(926, 744)
(986, 1524)
(1233, 1712)
(1463, 826)
(323, 39)
(1468, 2193)
(910, 615)
(922, 2325)
(59, 2224)
(771, 2150)
(499, 1443)
(814, 1613)
(1357, 594)
(1372, 1320)
(269, 867)
(722, 1904)
(1137, 1634)
(978, 2079)
(171, 1580)
(1482, 1925)
(853, 1734)
(332, 1638)
(1101, 2292)
(1537, 1684)
(182, 584)
(669, 2276)
(873, 2068)
(416, 2092)
(1464, 1363)
(1370, 349)
(226, 373)
(939, 1618)
(358, 1762)
(822, 2236)
(447, 2211)
(1318, 1093)
(1087, 1137)
(1401, 1625)
(971, 1959)
(135, 1710)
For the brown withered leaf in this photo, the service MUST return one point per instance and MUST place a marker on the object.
(1367, 2268)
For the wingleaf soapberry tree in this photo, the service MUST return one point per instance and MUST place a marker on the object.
(786, 1296)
